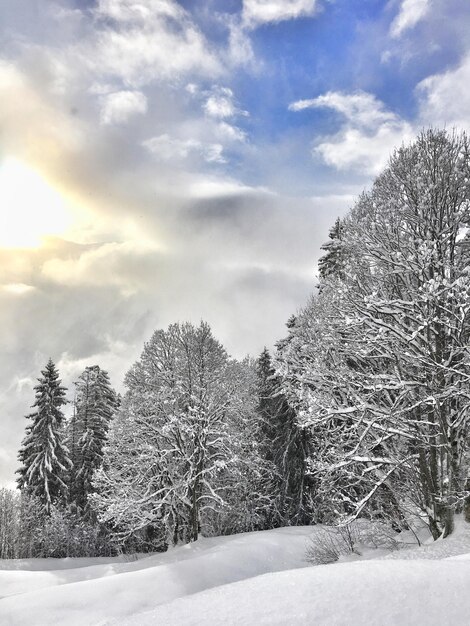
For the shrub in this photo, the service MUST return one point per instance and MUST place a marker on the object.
(327, 545)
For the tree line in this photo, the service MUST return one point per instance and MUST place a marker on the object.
(360, 412)
(198, 443)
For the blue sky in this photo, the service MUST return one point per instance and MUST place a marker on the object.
(165, 161)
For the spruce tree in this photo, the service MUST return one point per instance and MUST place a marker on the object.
(43, 455)
(282, 443)
(332, 262)
(94, 406)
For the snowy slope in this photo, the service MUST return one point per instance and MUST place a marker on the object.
(24, 575)
(396, 593)
(457, 543)
(91, 595)
(251, 578)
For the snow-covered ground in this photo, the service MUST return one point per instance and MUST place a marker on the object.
(251, 578)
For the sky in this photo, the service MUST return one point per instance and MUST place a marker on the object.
(166, 161)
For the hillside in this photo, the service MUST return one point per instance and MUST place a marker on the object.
(251, 578)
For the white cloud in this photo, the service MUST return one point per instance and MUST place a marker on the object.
(361, 107)
(118, 107)
(257, 12)
(220, 103)
(141, 56)
(49, 132)
(213, 153)
(17, 289)
(445, 98)
(140, 42)
(102, 89)
(300, 105)
(202, 138)
(368, 134)
(353, 149)
(411, 12)
(230, 132)
(108, 264)
(18, 384)
(138, 11)
(240, 48)
(192, 88)
(167, 148)
(207, 188)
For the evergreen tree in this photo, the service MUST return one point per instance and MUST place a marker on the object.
(331, 263)
(43, 455)
(94, 405)
(283, 444)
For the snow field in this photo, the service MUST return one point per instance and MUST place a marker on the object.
(258, 578)
(363, 593)
(94, 594)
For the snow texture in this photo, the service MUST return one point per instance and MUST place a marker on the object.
(250, 578)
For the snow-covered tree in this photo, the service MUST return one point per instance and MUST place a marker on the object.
(333, 261)
(247, 480)
(284, 444)
(379, 360)
(31, 523)
(94, 405)
(9, 523)
(175, 452)
(43, 455)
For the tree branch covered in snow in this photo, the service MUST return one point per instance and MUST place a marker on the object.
(378, 362)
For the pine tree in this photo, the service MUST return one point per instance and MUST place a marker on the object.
(94, 405)
(43, 455)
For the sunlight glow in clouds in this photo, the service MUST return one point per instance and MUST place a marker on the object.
(30, 209)
(150, 171)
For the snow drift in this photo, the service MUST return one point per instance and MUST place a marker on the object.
(251, 578)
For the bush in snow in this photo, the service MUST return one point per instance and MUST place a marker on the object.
(328, 544)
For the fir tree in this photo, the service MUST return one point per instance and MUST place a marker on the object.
(282, 443)
(94, 405)
(43, 455)
(331, 263)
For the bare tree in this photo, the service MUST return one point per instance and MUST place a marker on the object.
(9, 523)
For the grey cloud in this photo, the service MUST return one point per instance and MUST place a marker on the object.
(163, 241)
(82, 325)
